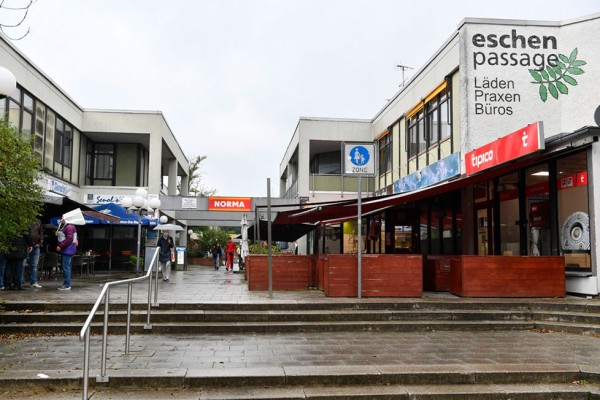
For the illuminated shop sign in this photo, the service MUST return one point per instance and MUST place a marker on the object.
(525, 141)
(229, 203)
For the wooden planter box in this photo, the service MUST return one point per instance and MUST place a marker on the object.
(290, 272)
(383, 275)
(436, 273)
(507, 276)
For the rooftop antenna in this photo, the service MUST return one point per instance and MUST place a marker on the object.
(403, 68)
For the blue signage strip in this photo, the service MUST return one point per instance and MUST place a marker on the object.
(439, 171)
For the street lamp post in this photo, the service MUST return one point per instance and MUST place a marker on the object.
(139, 205)
(8, 83)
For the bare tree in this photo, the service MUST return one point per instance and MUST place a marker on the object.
(195, 186)
(15, 14)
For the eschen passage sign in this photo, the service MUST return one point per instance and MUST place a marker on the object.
(229, 203)
(517, 144)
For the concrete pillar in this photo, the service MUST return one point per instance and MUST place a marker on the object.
(185, 181)
(172, 177)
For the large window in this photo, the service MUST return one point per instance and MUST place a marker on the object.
(428, 126)
(329, 163)
(104, 158)
(573, 213)
(63, 149)
(508, 200)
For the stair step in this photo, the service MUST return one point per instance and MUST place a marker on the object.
(271, 327)
(314, 381)
(160, 315)
(399, 392)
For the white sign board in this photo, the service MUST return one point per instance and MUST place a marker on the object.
(359, 158)
(189, 202)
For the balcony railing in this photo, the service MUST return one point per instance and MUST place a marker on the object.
(339, 183)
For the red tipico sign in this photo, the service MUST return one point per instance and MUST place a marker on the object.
(582, 179)
(229, 203)
(517, 144)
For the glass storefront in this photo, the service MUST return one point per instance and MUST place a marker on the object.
(573, 212)
(537, 200)
(509, 221)
(546, 214)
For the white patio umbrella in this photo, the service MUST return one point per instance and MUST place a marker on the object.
(167, 227)
(244, 250)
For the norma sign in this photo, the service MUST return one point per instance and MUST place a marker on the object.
(229, 204)
(525, 141)
(359, 158)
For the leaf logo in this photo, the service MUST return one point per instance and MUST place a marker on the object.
(552, 79)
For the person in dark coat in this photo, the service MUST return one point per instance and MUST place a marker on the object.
(21, 245)
(165, 244)
(217, 251)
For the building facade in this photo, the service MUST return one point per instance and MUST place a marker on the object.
(456, 153)
(90, 156)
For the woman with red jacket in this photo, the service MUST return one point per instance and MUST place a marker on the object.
(230, 253)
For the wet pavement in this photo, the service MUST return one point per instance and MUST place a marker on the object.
(52, 355)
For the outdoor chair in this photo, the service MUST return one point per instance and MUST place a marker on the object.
(77, 261)
(50, 266)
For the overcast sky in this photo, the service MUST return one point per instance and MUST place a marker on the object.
(232, 77)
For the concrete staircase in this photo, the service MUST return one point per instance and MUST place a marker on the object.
(568, 381)
(403, 316)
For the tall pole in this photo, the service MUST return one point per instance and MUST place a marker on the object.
(139, 242)
(359, 237)
(269, 238)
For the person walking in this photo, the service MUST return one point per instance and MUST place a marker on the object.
(67, 246)
(15, 258)
(230, 253)
(165, 244)
(216, 251)
(33, 257)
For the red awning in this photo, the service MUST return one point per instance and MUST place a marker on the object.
(339, 211)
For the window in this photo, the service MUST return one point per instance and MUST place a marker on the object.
(63, 149)
(429, 126)
(574, 213)
(49, 149)
(327, 163)
(413, 146)
(445, 117)
(433, 123)
(385, 154)
(103, 161)
(38, 139)
(507, 192)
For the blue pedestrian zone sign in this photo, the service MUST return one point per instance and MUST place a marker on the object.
(359, 158)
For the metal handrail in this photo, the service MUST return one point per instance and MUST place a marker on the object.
(105, 294)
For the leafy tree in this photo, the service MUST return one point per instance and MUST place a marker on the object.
(208, 237)
(21, 199)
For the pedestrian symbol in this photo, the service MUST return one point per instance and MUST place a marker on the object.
(359, 156)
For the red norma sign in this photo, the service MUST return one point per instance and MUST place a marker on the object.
(517, 144)
(229, 203)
